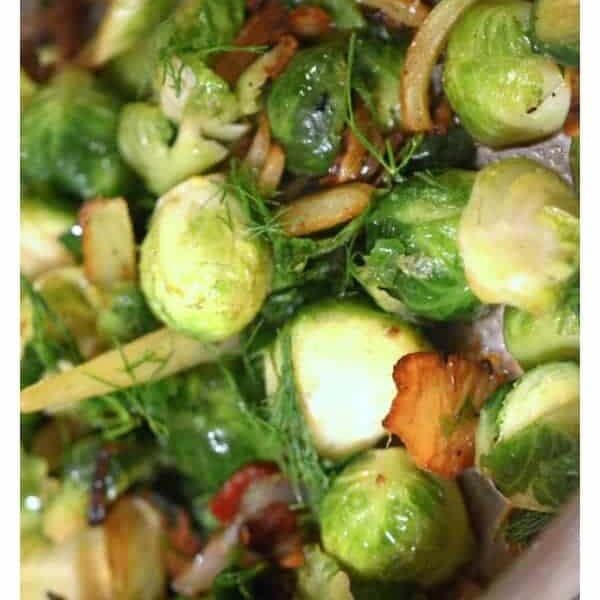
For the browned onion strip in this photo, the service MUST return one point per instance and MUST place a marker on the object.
(422, 55)
(310, 22)
(352, 160)
(257, 154)
(401, 12)
(272, 171)
(325, 209)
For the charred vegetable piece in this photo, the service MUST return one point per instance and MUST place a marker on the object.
(436, 408)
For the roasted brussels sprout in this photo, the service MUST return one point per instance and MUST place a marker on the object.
(197, 99)
(384, 519)
(519, 235)
(550, 336)
(555, 29)
(202, 271)
(44, 219)
(124, 315)
(528, 437)
(413, 254)
(504, 93)
(307, 108)
(210, 433)
(68, 138)
(345, 349)
(160, 155)
(376, 77)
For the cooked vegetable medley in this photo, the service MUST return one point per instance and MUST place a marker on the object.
(296, 293)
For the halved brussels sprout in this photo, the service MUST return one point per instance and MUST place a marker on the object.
(556, 29)
(307, 108)
(159, 154)
(384, 519)
(528, 437)
(553, 335)
(413, 253)
(519, 235)
(123, 25)
(202, 271)
(43, 221)
(343, 355)
(68, 138)
(504, 93)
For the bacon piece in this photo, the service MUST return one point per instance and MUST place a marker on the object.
(436, 408)
(265, 27)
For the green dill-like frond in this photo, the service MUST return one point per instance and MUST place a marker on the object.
(524, 525)
(302, 464)
(387, 157)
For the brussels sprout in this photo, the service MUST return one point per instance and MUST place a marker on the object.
(551, 336)
(519, 235)
(413, 254)
(28, 89)
(202, 271)
(307, 108)
(43, 221)
(210, 433)
(68, 138)
(125, 315)
(376, 77)
(574, 161)
(504, 93)
(455, 149)
(161, 157)
(190, 91)
(205, 24)
(384, 519)
(528, 437)
(345, 349)
(556, 29)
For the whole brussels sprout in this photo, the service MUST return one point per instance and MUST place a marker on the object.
(210, 435)
(125, 314)
(555, 29)
(68, 138)
(519, 235)
(202, 271)
(43, 220)
(376, 77)
(553, 335)
(504, 93)
(384, 519)
(307, 107)
(528, 437)
(345, 349)
(413, 252)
